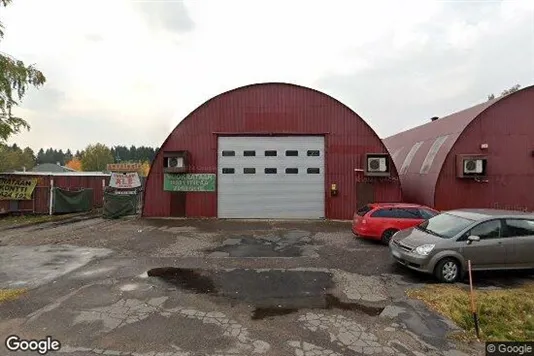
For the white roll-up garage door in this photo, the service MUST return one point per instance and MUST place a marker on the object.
(271, 177)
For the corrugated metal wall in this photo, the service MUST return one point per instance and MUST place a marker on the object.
(410, 150)
(508, 129)
(77, 182)
(41, 195)
(38, 203)
(506, 124)
(277, 109)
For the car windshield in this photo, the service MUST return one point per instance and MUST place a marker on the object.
(427, 214)
(444, 225)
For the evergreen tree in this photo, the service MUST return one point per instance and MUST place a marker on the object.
(119, 153)
(68, 156)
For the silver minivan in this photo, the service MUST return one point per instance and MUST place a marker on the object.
(492, 239)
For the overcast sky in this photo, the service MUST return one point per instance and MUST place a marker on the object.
(126, 72)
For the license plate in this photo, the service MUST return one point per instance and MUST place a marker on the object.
(395, 254)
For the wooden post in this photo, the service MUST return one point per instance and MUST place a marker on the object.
(473, 306)
(51, 200)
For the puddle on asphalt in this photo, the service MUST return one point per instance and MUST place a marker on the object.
(331, 302)
(290, 244)
(185, 278)
(262, 313)
(270, 292)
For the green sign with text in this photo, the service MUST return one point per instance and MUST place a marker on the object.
(189, 182)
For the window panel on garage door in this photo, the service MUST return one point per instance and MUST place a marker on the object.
(288, 181)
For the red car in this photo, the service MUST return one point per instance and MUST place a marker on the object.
(379, 221)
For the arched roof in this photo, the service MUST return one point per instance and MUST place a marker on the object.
(271, 108)
(243, 88)
(420, 152)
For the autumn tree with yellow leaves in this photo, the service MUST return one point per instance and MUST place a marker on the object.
(145, 169)
(75, 164)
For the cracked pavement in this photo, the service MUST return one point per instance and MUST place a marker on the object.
(226, 288)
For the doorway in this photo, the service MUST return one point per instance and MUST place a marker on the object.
(364, 194)
(178, 204)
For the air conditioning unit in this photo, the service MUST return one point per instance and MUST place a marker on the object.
(377, 164)
(473, 166)
(175, 162)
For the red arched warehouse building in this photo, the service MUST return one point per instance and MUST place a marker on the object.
(481, 157)
(270, 150)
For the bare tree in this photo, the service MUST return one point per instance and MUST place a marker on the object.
(505, 92)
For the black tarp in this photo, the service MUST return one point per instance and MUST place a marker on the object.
(118, 205)
(72, 201)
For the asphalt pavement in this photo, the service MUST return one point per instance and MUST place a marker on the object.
(214, 288)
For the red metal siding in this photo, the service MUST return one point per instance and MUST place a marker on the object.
(41, 195)
(78, 182)
(278, 109)
(506, 124)
(417, 187)
(508, 129)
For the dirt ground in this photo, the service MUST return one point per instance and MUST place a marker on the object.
(213, 287)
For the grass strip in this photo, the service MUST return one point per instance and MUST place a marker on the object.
(504, 314)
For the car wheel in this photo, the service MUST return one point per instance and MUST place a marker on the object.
(448, 270)
(387, 235)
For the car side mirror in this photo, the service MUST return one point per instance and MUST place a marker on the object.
(473, 238)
